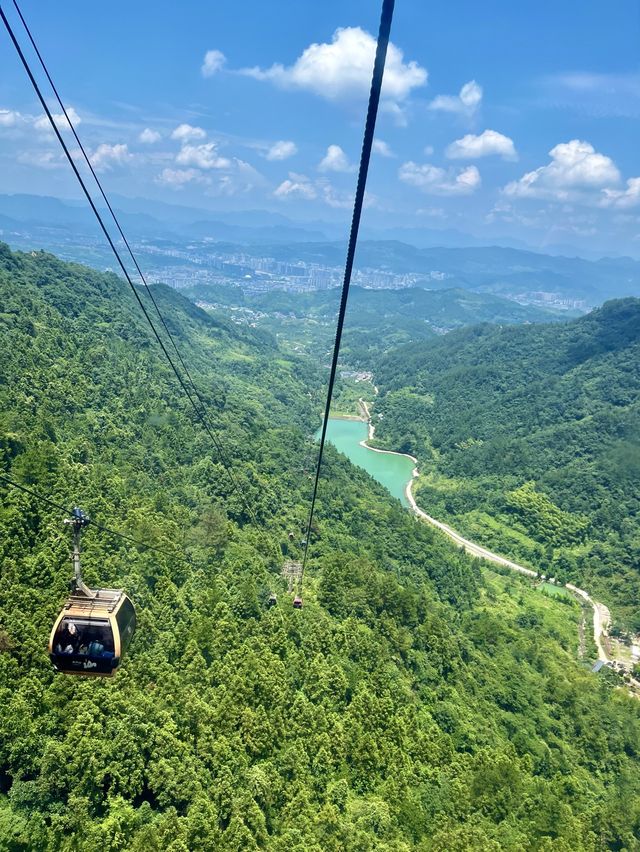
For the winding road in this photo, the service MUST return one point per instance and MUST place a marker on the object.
(601, 614)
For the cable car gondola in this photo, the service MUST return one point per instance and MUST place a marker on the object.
(95, 627)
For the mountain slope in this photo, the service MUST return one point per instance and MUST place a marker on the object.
(413, 704)
(490, 411)
(377, 320)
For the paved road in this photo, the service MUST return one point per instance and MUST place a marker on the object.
(601, 615)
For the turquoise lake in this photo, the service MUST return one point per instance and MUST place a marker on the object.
(392, 471)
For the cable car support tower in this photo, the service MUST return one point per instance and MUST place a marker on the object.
(78, 521)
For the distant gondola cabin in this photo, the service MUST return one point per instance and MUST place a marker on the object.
(92, 633)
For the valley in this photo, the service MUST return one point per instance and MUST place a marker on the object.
(398, 473)
(411, 684)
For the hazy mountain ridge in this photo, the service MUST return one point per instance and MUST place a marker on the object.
(31, 221)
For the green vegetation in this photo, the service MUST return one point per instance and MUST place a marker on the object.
(377, 320)
(410, 705)
(530, 441)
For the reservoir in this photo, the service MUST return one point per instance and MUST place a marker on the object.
(392, 471)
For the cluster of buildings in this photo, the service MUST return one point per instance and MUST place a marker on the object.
(203, 265)
(550, 300)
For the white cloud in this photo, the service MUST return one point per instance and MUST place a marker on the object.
(574, 166)
(341, 69)
(428, 150)
(281, 150)
(212, 63)
(232, 176)
(9, 118)
(434, 212)
(466, 102)
(382, 148)
(629, 197)
(302, 187)
(179, 178)
(437, 181)
(599, 95)
(339, 200)
(43, 124)
(41, 159)
(490, 142)
(106, 157)
(149, 137)
(296, 186)
(187, 133)
(335, 160)
(241, 177)
(202, 157)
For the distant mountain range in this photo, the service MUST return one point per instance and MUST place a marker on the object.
(491, 269)
(140, 217)
(67, 227)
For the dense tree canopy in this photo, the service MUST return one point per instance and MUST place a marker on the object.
(529, 438)
(414, 703)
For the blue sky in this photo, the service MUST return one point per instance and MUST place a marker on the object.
(498, 119)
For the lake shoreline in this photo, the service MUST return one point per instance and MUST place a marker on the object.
(601, 615)
(349, 436)
(372, 430)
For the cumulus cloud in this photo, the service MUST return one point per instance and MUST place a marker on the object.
(9, 118)
(187, 133)
(299, 186)
(335, 160)
(105, 157)
(241, 177)
(179, 178)
(340, 200)
(232, 176)
(466, 102)
(296, 186)
(574, 166)
(149, 137)
(202, 157)
(629, 197)
(436, 181)
(41, 159)
(212, 63)
(341, 69)
(486, 144)
(382, 148)
(43, 124)
(281, 150)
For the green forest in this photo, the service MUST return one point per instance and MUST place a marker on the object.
(529, 440)
(379, 319)
(417, 702)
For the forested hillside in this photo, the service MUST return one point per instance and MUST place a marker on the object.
(414, 703)
(377, 320)
(529, 439)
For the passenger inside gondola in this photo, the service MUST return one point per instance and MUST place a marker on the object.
(90, 639)
(67, 638)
